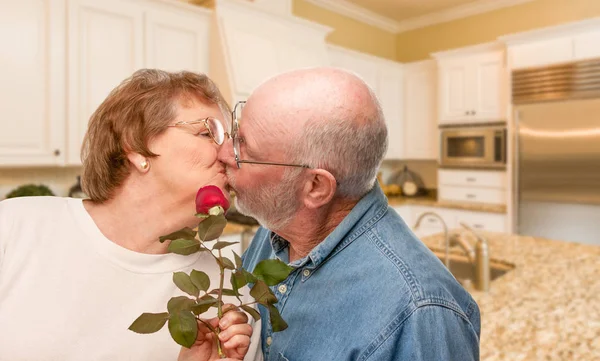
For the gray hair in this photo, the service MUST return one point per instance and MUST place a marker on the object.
(351, 146)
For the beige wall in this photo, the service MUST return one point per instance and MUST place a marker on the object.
(418, 44)
(348, 32)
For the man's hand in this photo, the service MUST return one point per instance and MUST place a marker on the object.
(235, 338)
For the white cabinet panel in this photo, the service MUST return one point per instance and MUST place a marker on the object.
(540, 53)
(587, 45)
(32, 69)
(105, 47)
(421, 136)
(490, 222)
(488, 98)
(472, 178)
(471, 194)
(453, 93)
(177, 41)
(390, 90)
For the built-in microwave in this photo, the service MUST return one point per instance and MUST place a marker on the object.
(473, 147)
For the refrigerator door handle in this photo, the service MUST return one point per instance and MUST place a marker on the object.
(515, 165)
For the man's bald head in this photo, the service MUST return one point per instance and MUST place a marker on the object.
(327, 118)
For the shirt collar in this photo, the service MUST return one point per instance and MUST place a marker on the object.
(365, 213)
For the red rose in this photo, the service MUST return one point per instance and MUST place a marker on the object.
(208, 197)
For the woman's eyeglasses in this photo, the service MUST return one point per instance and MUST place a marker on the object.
(213, 125)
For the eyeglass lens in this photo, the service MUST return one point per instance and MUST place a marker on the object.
(215, 127)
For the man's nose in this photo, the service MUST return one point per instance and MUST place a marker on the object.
(225, 154)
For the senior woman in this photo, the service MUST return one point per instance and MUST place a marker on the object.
(75, 274)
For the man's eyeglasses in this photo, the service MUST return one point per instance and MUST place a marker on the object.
(213, 125)
(235, 126)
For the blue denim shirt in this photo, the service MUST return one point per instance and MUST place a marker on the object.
(370, 291)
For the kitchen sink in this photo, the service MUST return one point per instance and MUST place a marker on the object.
(464, 271)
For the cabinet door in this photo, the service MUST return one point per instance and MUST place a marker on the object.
(177, 41)
(454, 92)
(105, 47)
(587, 45)
(488, 87)
(363, 67)
(421, 139)
(545, 52)
(390, 93)
(32, 68)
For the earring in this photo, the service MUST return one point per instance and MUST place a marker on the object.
(144, 164)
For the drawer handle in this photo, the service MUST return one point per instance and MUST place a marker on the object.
(471, 196)
(478, 226)
(469, 179)
(431, 220)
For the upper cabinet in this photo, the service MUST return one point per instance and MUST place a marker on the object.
(71, 53)
(32, 69)
(421, 139)
(471, 86)
(554, 45)
(386, 78)
(251, 45)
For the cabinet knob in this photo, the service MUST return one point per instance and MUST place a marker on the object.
(478, 226)
(56, 152)
(471, 179)
(467, 112)
(471, 196)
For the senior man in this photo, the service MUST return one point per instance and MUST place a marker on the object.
(303, 159)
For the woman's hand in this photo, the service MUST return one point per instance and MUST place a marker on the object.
(235, 338)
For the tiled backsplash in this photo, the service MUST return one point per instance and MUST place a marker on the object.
(58, 179)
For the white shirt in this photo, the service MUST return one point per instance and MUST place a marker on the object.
(68, 293)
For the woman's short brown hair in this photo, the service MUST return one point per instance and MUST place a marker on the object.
(133, 113)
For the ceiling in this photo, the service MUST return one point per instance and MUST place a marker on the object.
(400, 10)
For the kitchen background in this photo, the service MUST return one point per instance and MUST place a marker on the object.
(492, 109)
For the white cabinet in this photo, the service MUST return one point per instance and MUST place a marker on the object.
(105, 47)
(32, 69)
(554, 45)
(256, 45)
(472, 186)
(472, 85)
(421, 136)
(176, 40)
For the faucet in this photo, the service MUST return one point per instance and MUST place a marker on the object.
(479, 256)
(446, 238)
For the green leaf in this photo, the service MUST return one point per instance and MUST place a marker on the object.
(204, 304)
(238, 260)
(183, 328)
(272, 271)
(202, 215)
(222, 244)
(149, 322)
(211, 228)
(180, 303)
(252, 311)
(226, 262)
(277, 322)
(225, 292)
(185, 233)
(200, 280)
(238, 280)
(262, 293)
(184, 283)
(184, 246)
(250, 278)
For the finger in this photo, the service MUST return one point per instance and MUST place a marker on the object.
(229, 307)
(232, 318)
(203, 328)
(243, 329)
(236, 343)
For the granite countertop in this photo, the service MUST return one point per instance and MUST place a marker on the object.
(547, 308)
(431, 201)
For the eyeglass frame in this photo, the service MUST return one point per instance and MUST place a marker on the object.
(204, 122)
(235, 126)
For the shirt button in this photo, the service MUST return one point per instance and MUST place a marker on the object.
(306, 273)
(282, 289)
(269, 341)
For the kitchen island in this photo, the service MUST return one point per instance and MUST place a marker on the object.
(547, 307)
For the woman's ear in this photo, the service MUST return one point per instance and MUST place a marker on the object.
(319, 188)
(139, 162)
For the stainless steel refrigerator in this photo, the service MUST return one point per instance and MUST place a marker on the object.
(557, 152)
